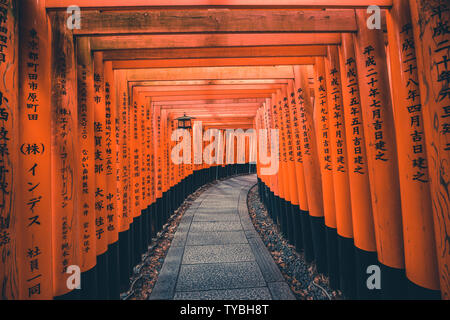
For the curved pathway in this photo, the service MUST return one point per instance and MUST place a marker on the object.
(216, 252)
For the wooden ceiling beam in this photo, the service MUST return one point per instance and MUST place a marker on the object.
(205, 97)
(218, 52)
(250, 92)
(283, 4)
(144, 41)
(181, 83)
(209, 101)
(209, 73)
(211, 62)
(217, 106)
(158, 21)
(143, 88)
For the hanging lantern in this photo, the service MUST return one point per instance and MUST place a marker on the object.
(184, 122)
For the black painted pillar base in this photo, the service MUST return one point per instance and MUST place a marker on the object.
(332, 257)
(124, 260)
(393, 283)
(308, 247)
(290, 208)
(103, 277)
(297, 221)
(346, 258)
(114, 271)
(71, 295)
(416, 292)
(319, 243)
(145, 229)
(364, 259)
(89, 290)
(137, 240)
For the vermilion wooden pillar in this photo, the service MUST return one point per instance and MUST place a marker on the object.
(274, 123)
(299, 168)
(417, 216)
(381, 147)
(146, 166)
(111, 154)
(33, 202)
(98, 104)
(430, 26)
(282, 177)
(135, 179)
(86, 169)
(150, 170)
(338, 143)
(65, 158)
(311, 167)
(290, 173)
(158, 163)
(123, 173)
(322, 127)
(362, 217)
(9, 89)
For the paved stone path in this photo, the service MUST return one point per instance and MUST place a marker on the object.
(217, 254)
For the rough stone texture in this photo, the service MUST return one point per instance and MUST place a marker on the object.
(229, 294)
(216, 252)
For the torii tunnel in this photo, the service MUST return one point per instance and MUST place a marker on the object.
(340, 108)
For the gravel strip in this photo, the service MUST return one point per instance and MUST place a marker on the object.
(305, 282)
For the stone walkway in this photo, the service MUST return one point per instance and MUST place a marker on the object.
(217, 254)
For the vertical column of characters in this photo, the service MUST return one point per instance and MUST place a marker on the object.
(308, 141)
(268, 125)
(271, 124)
(290, 165)
(65, 156)
(338, 144)
(122, 154)
(258, 126)
(86, 165)
(417, 217)
(98, 104)
(143, 173)
(135, 180)
(149, 167)
(122, 176)
(171, 173)
(34, 204)
(111, 149)
(9, 97)
(321, 119)
(158, 163)
(363, 228)
(298, 154)
(135, 156)
(165, 169)
(283, 164)
(431, 34)
(379, 135)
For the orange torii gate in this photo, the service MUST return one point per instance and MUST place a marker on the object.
(363, 177)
